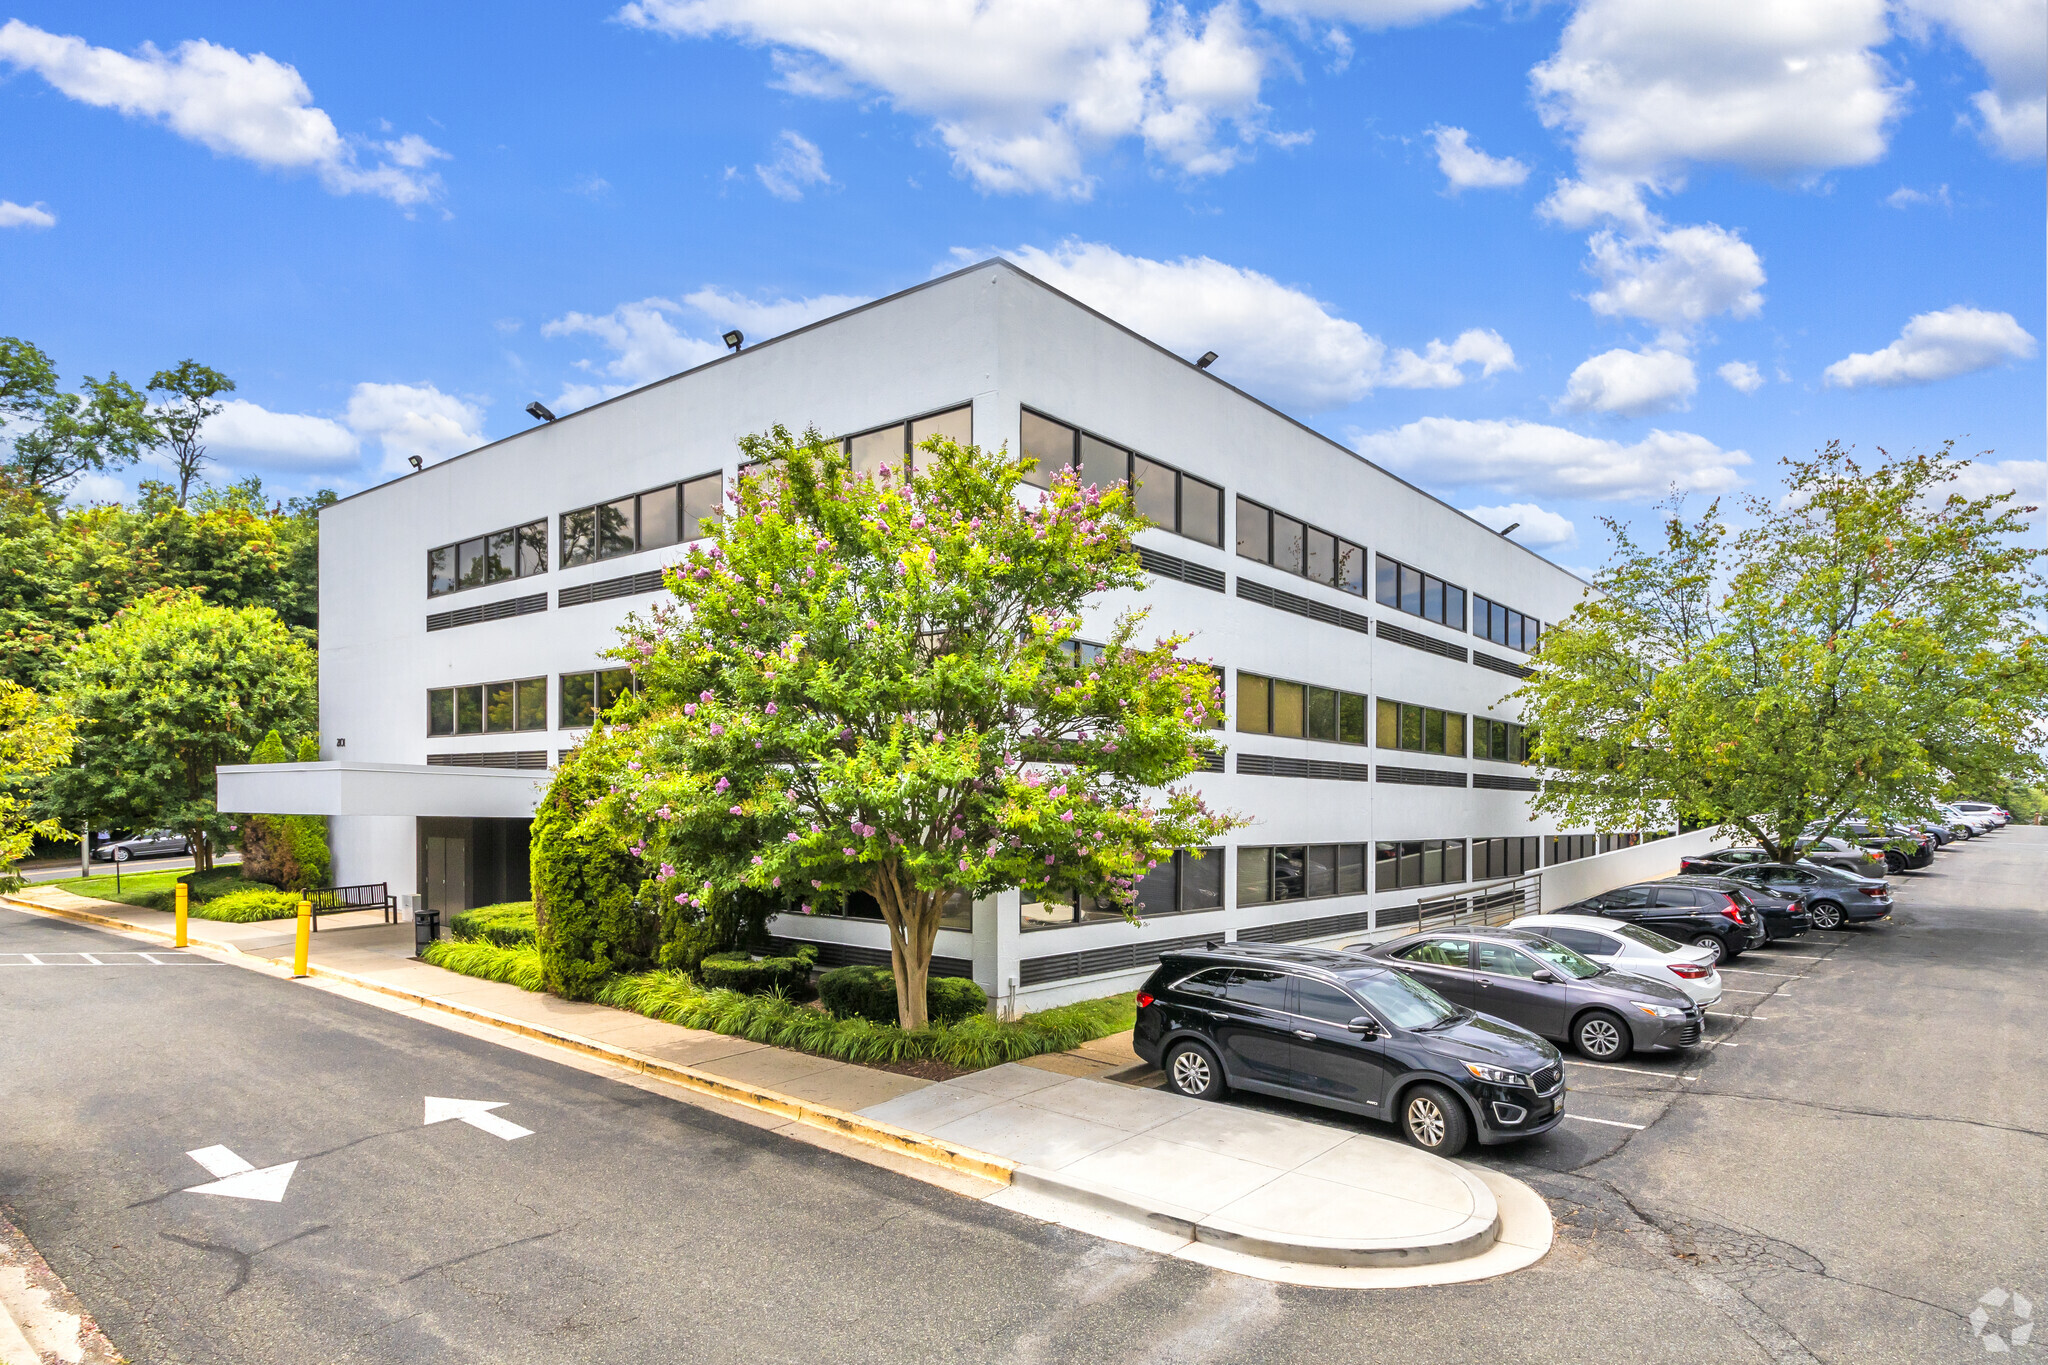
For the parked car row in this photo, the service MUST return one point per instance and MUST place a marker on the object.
(155, 843)
(1453, 1033)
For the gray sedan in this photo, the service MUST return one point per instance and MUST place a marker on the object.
(1527, 979)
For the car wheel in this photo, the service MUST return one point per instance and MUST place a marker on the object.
(1826, 915)
(1433, 1120)
(1602, 1036)
(1193, 1070)
(1712, 943)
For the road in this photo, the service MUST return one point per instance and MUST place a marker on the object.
(1848, 1172)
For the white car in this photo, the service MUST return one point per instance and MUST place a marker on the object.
(1997, 815)
(1634, 949)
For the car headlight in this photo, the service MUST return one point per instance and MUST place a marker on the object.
(1659, 1011)
(1497, 1075)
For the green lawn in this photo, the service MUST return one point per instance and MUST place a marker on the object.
(156, 890)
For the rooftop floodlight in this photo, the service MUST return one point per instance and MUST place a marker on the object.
(416, 462)
(1509, 527)
(734, 339)
(1208, 359)
(538, 412)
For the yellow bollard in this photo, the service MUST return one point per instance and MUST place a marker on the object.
(304, 946)
(184, 893)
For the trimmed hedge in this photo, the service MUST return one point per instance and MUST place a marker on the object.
(672, 996)
(750, 975)
(870, 993)
(584, 881)
(248, 905)
(507, 925)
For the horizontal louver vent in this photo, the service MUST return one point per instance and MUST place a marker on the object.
(855, 955)
(1186, 570)
(1421, 777)
(1513, 670)
(1123, 957)
(1407, 914)
(1281, 600)
(1296, 930)
(509, 758)
(489, 611)
(632, 585)
(1414, 640)
(1496, 782)
(1209, 763)
(1272, 765)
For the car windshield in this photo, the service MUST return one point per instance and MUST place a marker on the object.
(1402, 1002)
(1649, 938)
(1564, 959)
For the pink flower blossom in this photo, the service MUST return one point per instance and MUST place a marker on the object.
(735, 811)
(689, 708)
(682, 899)
(794, 837)
(776, 882)
(703, 696)
(771, 705)
(850, 852)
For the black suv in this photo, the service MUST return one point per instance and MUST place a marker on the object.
(1783, 916)
(1349, 1034)
(1722, 922)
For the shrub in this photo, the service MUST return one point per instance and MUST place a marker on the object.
(248, 905)
(285, 850)
(870, 993)
(519, 967)
(584, 883)
(735, 919)
(750, 975)
(509, 925)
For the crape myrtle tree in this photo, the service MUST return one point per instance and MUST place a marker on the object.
(871, 684)
(1867, 644)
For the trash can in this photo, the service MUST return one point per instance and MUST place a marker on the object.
(426, 927)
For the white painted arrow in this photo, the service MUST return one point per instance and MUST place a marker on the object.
(237, 1179)
(477, 1114)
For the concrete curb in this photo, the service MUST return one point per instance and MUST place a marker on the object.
(873, 1132)
(1470, 1238)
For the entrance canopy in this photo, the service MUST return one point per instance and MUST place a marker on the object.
(349, 788)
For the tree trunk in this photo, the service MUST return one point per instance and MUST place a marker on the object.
(913, 924)
(202, 852)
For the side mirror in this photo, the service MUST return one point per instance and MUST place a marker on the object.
(1546, 975)
(1365, 1026)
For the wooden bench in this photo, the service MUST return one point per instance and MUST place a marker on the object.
(335, 900)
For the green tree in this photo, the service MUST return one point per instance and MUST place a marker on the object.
(1865, 645)
(164, 693)
(868, 686)
(35, 738)
(53, 436)
(289, 851)
(187, 401)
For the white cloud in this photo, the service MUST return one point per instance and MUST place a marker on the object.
(1936, 346)
(646, 344)
(414, 419)
(1535, 460)
(36, 215)
(1631, 383)
(245, 435)
(1019, 91)
(1366, 13)
(1741, 376)
(1275, 340)
(2028, 478)
(797, 163)
(1777, 86)
(1905, 197)
(1675, 277)
(253, 107)
(1539, 530)
(1465, 167)
(2005, 38)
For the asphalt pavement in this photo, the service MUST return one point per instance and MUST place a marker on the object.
(1842, 1178)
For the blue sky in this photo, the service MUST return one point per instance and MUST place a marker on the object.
(1545, 258)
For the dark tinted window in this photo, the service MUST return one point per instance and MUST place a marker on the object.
(1208, 983)
(1321, 1000)
(1680, 897)
(1259, 988)
(1581, 940)
(1202, 879)
(1627, 898)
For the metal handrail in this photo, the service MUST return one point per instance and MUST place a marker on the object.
(1491, 905)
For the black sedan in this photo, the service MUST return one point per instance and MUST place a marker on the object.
(1832, 897)
(1722, 922)
(1347, 1033)
(1782, 916)
(1527, 979)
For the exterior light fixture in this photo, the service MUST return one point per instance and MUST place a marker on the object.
(416, 462)
(734, 340)
(1208, 359)
(538, 412)
(1509, 527)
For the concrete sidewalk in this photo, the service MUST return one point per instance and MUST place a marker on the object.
(1061, 1138)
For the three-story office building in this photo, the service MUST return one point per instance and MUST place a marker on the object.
(1368, 631)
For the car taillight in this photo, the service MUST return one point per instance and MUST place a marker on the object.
(1144, 998)
(1876, 890)
(1734, 910)
(1690, 971)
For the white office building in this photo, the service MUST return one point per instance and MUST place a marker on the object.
(1369, 630)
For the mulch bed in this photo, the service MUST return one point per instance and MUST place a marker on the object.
(924, 1068)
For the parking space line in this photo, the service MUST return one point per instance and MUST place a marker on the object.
(1751, 971)
(93, 960)
(1611, 1123)
(1731, 990)
(1719, 1042)
(1632, 1070)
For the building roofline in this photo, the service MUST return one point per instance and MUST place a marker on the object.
(1004, 263)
